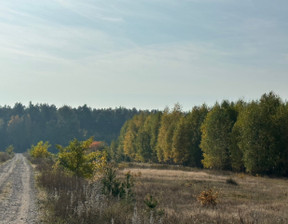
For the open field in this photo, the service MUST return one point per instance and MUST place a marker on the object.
(252, 200)
(240, 198)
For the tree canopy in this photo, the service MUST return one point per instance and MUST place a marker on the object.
(22, 126)
(240, 136)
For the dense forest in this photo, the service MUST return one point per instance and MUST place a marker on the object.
(239, 136)
(22, 126)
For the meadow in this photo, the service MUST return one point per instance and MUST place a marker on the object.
(165, 194)
(241, 198)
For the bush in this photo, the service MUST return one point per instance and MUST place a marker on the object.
(77, 159)
(150, 201)
(75, 200)
(8, 154)
(4, 156)
(208, 198)
(39, 151)
(112, 186)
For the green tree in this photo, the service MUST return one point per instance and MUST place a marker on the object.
(263, 135)
(144, 150)
(119, 154)
(187, 138)
(236, 154)
(132, 139)
(151, 128)
(169, 121)
(216, 139)
(15, 130)
(79, 160)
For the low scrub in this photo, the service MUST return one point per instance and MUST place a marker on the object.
(75, 200)
(8, 154)
(208, 198)
(4, 157)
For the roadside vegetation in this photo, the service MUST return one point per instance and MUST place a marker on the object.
(209, 165)
(80, 185)
(7, 154)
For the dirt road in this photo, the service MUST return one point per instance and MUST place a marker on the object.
(17, 192)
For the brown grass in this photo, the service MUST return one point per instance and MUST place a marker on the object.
(253, 200)
(174, 192)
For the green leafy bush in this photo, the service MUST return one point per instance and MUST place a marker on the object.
(78, 159)
(40, 151)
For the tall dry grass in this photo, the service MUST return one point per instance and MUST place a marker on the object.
(241, 198)
(165, 196)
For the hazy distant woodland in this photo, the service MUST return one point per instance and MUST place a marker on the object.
(23, 126)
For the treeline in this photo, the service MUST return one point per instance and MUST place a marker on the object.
(22, 126)
(238, 136)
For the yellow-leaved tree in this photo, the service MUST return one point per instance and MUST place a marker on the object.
(78, 158)
(40, 151)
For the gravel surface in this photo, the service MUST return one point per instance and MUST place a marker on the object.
(17, 192)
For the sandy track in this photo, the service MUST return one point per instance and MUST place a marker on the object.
(17, 192)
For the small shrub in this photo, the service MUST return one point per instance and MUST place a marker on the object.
(150, 201)
(231, 181)
(4, 156)
(112, 186)
(39, 151)
(10, 150)
(208, 198)
(78, 159)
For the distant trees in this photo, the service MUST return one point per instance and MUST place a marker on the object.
(238, 136)
(22, 126)
(168, 137)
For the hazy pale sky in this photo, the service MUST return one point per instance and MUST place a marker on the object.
(142, 53)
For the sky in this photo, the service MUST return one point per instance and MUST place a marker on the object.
(146, 54)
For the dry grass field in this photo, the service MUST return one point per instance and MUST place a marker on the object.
(241, 198)
(164, 194)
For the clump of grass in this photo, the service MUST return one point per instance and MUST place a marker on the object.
(231, 181)
(208, 198)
